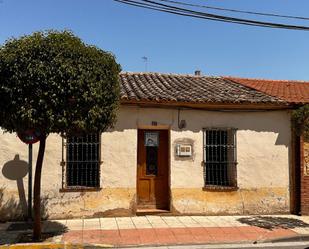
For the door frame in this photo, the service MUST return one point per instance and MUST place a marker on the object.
(159, 127)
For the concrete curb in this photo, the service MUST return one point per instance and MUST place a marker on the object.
(294, 238)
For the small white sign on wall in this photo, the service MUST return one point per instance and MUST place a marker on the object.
(184, 150)
(152, 139)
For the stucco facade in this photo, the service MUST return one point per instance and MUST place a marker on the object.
(263, 156)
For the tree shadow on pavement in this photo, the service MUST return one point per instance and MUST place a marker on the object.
(272, 222)
(50, 229)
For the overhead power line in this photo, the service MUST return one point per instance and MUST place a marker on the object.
(236, 10)
(154, 5)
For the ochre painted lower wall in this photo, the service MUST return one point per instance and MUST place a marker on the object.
(242, 201)
(107, 202)
(121, 202)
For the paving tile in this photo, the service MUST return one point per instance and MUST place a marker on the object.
(126, 226)
(142, 225)
(163, 231)
(129, 240)
(92, 224)
(301, 230)
(176, 225)
(185, 239)
(232, 221)
(237, 224)
(169, 218)
(140, 219)
(231, 230)
(124, 223)
(172, 222)
(110, 233)
(92, 236)
(167, 240)
(213, 231)
(123, 219)
(141, 222)
(186, 219)
(199, 218)
(73, 237)
(151, 218)
(148, 236)
(181, 231)
(146, 231)
(156, 221)
(129, 232)
(75, 224)
(207, 223)
(198, 231)
(203, 239)
(192, 225)
(204, 221)
(110, 241)
(219, 221)
(108, 223)
(159, 225)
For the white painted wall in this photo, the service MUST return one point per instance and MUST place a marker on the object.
(263, 155)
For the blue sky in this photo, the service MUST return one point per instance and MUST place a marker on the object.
(173, 44)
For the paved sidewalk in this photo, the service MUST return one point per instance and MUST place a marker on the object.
(166, 230)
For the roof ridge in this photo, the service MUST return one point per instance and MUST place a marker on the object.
(168, 74)
(264, 79)
(213, 76)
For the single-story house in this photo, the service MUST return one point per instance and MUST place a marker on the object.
(182, 144)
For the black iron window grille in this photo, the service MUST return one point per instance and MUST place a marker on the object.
(220, 157)
(82, 166)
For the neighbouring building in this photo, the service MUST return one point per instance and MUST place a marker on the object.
(182, 144)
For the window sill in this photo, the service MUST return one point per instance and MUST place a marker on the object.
(216, 188)
(80, 189)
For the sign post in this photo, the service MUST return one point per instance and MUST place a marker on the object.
(30, 182)
(29, 137)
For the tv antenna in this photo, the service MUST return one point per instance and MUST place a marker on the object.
(145, 59)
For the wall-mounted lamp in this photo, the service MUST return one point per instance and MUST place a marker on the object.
(181, 123)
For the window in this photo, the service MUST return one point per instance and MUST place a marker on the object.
(220, 157)
(82, 162)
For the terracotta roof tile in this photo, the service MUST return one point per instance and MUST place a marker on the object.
(189, 88)
(291, 91)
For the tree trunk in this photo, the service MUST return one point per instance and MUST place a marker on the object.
(37, 191)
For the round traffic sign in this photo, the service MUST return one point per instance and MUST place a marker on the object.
(29, 136)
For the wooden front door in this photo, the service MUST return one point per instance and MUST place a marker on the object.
(152, 169)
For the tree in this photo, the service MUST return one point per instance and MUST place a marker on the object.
(300, 121)
(54, 83)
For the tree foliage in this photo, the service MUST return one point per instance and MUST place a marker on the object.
(300, 121)
(53, 82)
